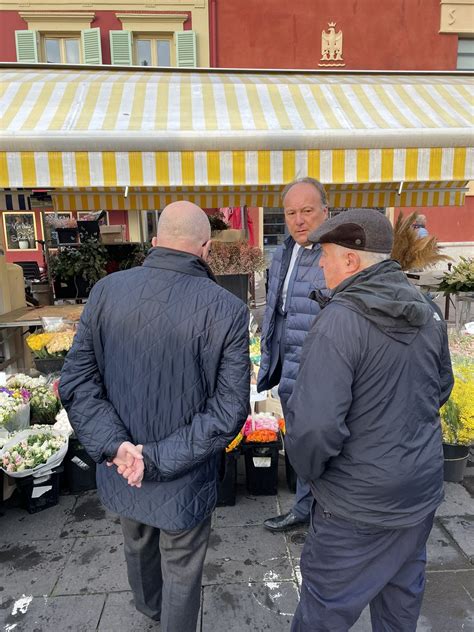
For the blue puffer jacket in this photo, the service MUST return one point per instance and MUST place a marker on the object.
(301, 311)
(160, 358)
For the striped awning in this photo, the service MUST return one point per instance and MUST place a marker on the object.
(235, 136)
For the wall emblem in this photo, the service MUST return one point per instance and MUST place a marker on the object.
(331, 47)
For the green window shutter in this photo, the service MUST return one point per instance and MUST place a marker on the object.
(121, 48)
(91, 48)
(26, 47)
(186, 56)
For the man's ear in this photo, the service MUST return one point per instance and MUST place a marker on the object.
(353, 262)
(154, 242)
(206, 250)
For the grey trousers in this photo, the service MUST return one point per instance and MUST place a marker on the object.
(165, 572)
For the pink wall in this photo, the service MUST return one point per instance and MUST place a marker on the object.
(377, 35)
(11, 22)
(448, 223)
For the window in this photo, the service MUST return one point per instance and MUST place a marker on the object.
(61, 50)
(465, 54)
(152, 51)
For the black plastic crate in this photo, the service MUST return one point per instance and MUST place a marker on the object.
(226, 489)
(34, 493)
(261, 468)
(80, 468)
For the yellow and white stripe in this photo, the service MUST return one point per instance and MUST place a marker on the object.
(417, 194)
(83, 128)
(233, 168)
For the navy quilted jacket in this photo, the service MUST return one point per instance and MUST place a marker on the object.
(301, 311)
(160, 358)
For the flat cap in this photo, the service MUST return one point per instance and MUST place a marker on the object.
(358, 229)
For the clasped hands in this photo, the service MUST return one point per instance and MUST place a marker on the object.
(129, 462)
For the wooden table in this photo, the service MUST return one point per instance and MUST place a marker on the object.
(31, 316)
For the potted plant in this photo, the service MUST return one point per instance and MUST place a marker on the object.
(65, 227)
(49, 350)
(457, 421)
(459, 281)
(76, 269)
(233, 262)
(25, 234)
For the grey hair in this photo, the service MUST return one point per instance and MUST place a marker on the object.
(307, 180)
(371, 258)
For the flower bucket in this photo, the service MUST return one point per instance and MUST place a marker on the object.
(455, 462)
(49, 365)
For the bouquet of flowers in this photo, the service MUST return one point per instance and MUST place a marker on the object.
(51, 344)
(33, 452)
(457, 415)
(20, 380)
(235, 258)
(44, 405)
(14, 408)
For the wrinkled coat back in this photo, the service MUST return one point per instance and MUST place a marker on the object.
(158, 336)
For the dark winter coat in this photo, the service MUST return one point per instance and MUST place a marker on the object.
(363, 424)
(300, 314)
(160, 358)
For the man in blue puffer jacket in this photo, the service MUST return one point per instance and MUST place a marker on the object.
(289, 314)
(159, 371)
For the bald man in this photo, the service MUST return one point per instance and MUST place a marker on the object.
(156, 385)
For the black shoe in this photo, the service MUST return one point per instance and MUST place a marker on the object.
(284, 522)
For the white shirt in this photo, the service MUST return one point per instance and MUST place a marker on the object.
(294, 255)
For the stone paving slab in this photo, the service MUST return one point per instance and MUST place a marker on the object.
(258, 607)
(89, 517)
(457, 501)
(246, 555)
(461, 529)
(54, 614)
(18, 524)
(448, 605)
(248, 510)
(441, 553)
(32, 568)
(120, 614)
(96, 565)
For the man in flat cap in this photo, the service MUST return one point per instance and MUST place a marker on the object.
(363, 429)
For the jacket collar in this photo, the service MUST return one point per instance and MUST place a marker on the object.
(178, 261)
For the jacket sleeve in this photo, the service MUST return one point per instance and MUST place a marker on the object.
(224, 414)
(82, 392)
(265, 381)
(317, 410)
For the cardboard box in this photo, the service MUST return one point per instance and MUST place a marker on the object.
(113, 234)
(270, 405)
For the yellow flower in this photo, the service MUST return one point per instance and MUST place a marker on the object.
(36, 342)
(61, 341)
(457, 415)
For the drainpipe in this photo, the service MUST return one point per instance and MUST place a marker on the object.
(213, 33)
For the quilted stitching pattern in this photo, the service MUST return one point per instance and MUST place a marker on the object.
(301, 313)
(160, 358)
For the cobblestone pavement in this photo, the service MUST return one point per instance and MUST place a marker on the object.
(63, 569)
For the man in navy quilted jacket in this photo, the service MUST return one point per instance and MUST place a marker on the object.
(156, 385)
(294, 275)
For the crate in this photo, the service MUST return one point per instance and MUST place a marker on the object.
(261, 468)
(80, 468)
(113, 234)
(37, 494)
(226, 489)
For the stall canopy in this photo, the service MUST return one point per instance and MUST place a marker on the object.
(137, 139)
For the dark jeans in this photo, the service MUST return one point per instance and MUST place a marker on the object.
(165, 572)
(346, 565)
